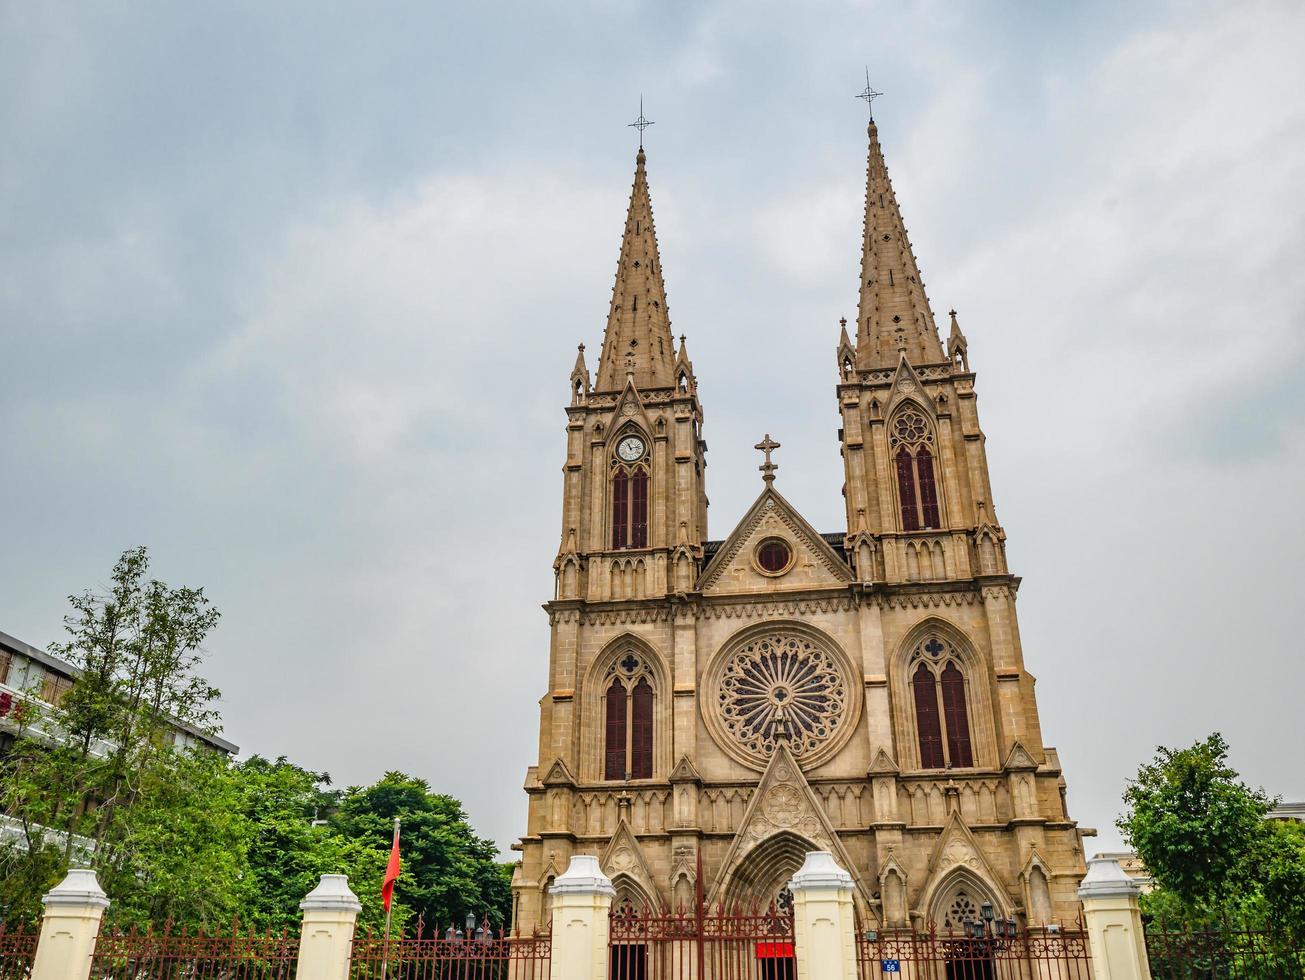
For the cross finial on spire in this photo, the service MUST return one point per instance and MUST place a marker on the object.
(641, 123)
(869, 94)
(767, 446)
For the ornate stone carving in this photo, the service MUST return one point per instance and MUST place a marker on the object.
(781, 683)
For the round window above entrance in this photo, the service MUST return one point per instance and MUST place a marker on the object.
(774, 556)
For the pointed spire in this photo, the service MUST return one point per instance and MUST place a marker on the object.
(894, 314)
(579, 376)
(846, 352)
(684, 379)
(638, 335)
(957, 346)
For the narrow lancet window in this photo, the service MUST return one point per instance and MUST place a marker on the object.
(906, 490)
(926, 719)
(614, 756)
(620, 510)
(958, 723)
(639, 509)
(641, 730)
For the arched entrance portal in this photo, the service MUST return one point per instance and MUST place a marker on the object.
(958, 902)
(762, 876)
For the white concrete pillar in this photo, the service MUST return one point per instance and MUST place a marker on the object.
(73, 909)
(824, 921)
(1114, 922)
(581, 902)
(326, 938)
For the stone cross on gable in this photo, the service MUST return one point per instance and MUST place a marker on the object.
(767, 445)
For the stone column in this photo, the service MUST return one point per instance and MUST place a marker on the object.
(824, 928)
(581, 901)
(1114, 922)
(326, 938)
(69, 928)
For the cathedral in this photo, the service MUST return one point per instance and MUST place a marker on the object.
(718, 707)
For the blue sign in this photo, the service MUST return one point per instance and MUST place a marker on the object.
(892, 966)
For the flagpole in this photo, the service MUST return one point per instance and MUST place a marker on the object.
(385, 956)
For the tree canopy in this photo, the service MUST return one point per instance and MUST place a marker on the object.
(182, 832)
(1202, 834)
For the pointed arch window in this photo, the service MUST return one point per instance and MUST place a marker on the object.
(629, 492)
(926, 718)
(942, 715)
(629, 709)
(911, 436)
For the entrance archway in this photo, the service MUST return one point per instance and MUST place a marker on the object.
(765, 871)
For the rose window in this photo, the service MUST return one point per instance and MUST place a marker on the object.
(909, 428)
(782, 686)
(963, 909)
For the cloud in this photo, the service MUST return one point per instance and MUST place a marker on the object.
(300, 314)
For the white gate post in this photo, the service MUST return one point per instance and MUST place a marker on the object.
(70, 927)
(326, 937)
(824, 927)
(1114, 922)
(581, 902)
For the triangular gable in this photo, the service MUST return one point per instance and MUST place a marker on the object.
(784, 803)
(1019, 759)
(883, 763)
(559, 774)
(685, 771)
(958, 849)
(908, 386)
(624, 858)
(731, 569)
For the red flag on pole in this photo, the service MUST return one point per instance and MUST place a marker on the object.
(391, 870)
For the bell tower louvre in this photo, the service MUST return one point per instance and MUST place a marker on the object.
(722, 706)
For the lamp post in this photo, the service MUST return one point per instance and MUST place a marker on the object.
(990, 928)
(469, 931)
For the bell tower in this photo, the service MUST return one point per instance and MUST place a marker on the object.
(918, 499)
(634, 508)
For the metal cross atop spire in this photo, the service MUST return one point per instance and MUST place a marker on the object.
(767, 446)
(869, 94)
(641, 123)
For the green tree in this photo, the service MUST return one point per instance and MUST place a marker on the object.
(447, 869)
(90, 777)
(290, 846)
(1191, 820)
(1202, 834)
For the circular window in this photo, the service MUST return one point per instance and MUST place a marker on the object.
(774, 556)
(781, 683)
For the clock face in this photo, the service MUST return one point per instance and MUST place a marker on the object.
(630, 448)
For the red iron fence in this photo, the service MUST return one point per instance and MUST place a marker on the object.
(703, 944)
(199, 955)
(1227, 952)
(17, 950)
(451, 954)
(1052, 955)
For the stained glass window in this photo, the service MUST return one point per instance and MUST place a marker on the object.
(641, 731)
(620, 509)
(958, 722)
(906, 490)
(614, 756)
(926, 719)
(928, 492)
(639, 509)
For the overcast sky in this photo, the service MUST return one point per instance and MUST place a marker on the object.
(290, 293)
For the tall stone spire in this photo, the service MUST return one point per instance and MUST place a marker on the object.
(638, 336)
(894, 315)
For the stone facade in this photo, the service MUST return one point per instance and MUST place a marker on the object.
(862, 692)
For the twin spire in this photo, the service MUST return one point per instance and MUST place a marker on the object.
(893, 317)
(638, 337)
